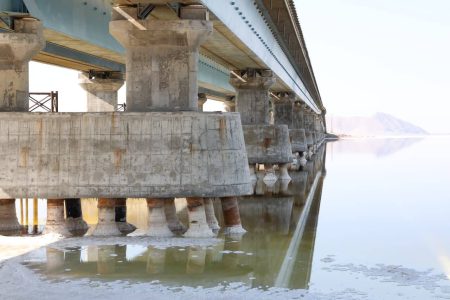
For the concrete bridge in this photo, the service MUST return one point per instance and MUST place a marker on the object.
(173, 56)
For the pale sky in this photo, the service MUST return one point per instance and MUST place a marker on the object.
(368, 56)
(388, 56)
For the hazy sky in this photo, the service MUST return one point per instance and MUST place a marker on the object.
(389, 56)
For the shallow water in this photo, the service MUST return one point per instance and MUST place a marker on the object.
(369, 223)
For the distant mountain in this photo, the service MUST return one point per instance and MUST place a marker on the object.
(380, 124)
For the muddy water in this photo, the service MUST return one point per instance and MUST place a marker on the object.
(368, 219)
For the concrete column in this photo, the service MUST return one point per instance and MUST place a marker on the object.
(162, 60)
(230, 105)
(101, 88)
(74, 215)
(121, 216)
(16, 50)
(198, 226)
(55, 218)
(231, 216)
(201, 101)
(210, 215)
(283, 109)
(106, 225)
(171, 215)
(252, 95)
(8, 217)
(157, 222)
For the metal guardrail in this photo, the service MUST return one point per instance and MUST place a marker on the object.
(121, 107)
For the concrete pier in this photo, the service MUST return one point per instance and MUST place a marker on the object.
(74, 215)
(8, 217)
(198, 226)
(55, 218)
(16, 50)
(107, 225)
(171, 215)
(231, 216)
(266, 144)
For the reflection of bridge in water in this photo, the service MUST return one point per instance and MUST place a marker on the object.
(277, 249)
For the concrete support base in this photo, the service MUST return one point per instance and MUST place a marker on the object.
(157, 222)
(107, 225)
(231, 216)
(74, 215)
(198, 227)
(269, 178)
(121, 216)
(210, 215)
(55, 218)
(284, 174)
(303, 159)
(8, 216)
(171, 215)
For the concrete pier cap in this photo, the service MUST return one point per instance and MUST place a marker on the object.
(265, 143)
(16, 50)
(101, 88)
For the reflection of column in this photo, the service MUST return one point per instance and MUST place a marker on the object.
(196, 260)
(214, 253)
(156, 260)
(231, 216)
(106, 225)
(171, 215)
(8, 217)
(230, 260)
(55, 260)
(198, 227)
(106, 263)
(55, 218)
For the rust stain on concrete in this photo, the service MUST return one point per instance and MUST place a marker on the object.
(24, 153)
(222, 128)
(267, 142)
(118, 158)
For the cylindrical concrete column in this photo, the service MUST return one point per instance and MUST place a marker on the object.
(162, 61)
(55, 218)
(8, 217)
(74, 215)
(198, 227)
(171, 215)
(121, 216)
(231, 216)
(106, 225)
(210, 215)
(16, 50)
(157, 222)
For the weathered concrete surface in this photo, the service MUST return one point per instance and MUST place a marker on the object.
(283, 110)
(16, 50)
(55, 218)
(298, 140)
(252, 96)
(101, 93)
(162, 62)
(8, 217)
(231, 216)
(267, 144)
(198, 226)
(111, 155)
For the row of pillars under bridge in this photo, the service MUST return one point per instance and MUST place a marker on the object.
(160, 149)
